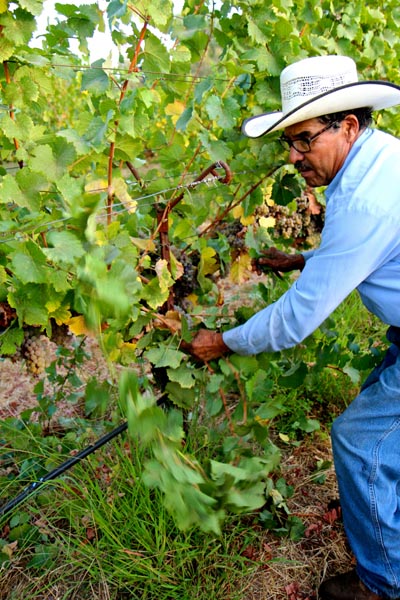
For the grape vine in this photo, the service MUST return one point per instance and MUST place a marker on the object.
(102, 228)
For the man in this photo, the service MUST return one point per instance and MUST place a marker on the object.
(325, 116)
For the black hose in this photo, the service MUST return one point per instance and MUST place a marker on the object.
(35, 485)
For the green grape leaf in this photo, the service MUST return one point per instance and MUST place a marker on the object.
(155, 57)
(28, 302)
(35, 7)
(81, 146)
(184, 398)
(217, 149)
(265, 61)
(224, 112)
(115, 9)
(6, 49)
(59, 281)
(201, 88)
(95, 80)
(70, 188)
(32, 186)
(269, 409)
(182, 375)
(159, 10)
(259, 386)
(66, 247)
(11, 192)
(165, 357)
(184, 119)
(157, 291)
(353, 373)
(29, 264)
(21, 128)
(286, 189)
(17, 29)
(43, 161)
(10, 340)
(295, 376)
(256, 34)
(246, 500)
(96, 132)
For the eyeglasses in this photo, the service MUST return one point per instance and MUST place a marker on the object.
(303, 144)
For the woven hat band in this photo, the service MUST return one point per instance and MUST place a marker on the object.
(307, 79)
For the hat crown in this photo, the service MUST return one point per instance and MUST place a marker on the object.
(308, 78)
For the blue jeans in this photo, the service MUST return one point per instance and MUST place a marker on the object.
(366, 450)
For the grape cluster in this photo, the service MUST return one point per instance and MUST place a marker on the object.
(300, 224)
(234, 232)
(187, 283)
(60, 334)
(36, 350)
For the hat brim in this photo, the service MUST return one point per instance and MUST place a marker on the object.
(375, 95)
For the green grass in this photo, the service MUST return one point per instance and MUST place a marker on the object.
(105, 528)
(100, 533)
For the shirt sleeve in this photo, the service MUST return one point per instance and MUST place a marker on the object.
(353, 245)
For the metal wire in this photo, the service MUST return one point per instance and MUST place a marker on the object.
(103, 211)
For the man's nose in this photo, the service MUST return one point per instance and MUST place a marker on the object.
(295, 155)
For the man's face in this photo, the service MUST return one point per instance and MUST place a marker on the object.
(328, 151)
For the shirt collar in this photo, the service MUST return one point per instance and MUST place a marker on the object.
(353, 152)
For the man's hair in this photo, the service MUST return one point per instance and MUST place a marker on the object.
(364, 116)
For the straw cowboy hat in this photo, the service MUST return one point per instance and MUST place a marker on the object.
(320, 86)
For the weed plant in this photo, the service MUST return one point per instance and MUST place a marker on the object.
(101, 526)
(100, 533)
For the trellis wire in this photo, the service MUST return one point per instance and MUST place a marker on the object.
(124, 208)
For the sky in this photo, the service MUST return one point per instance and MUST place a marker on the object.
(100, 46)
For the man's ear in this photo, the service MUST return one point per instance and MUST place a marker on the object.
(351, 128)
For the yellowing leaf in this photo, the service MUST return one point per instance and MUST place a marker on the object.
(127, 353)
(262, 422)
(3, 6)
(78, 326)
(247, 220)
(9, 549)
(267, 222)
(3, 275)
(241, 269)
(193, 299)
(120, 189)
(128, 346)
(175, 108)
(237, 212)
(100, 237)
(171, 321)
(147, 245)
(61, 315)
(96, 186)
(177, 269)
(164, 276)
(208, 262)
(52, 305)
(267, 191)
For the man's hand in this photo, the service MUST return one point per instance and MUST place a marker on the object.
(207, 345)
(279, 262)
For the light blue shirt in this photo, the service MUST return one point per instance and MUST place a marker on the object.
(360, 249)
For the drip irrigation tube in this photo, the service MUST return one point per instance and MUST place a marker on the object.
(35, 485)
